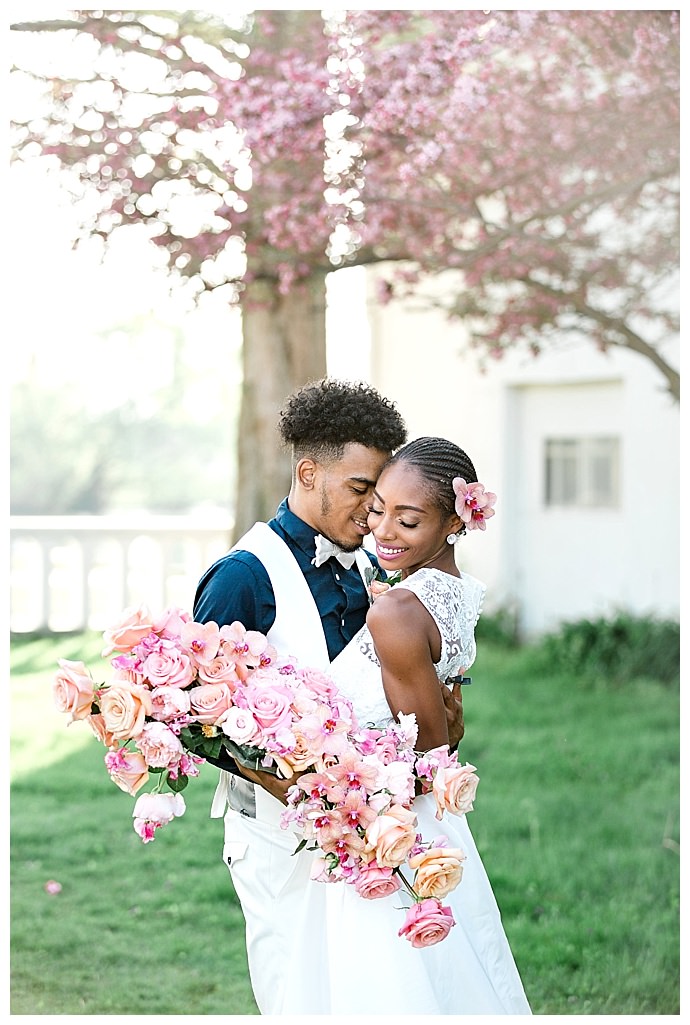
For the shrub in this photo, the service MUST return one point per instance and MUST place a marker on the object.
(616, 649)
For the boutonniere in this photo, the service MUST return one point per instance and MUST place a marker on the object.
(378, 583)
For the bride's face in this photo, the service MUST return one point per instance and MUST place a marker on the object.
(409, 529)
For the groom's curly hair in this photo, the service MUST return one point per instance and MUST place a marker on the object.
(321, 418)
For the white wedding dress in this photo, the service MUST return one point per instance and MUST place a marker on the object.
(473, 970)
(347, 957)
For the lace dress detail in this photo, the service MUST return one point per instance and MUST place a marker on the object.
(455, 604)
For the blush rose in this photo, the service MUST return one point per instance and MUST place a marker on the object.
(426, 923)
(73, 689)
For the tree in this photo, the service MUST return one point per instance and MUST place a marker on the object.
(534, 153)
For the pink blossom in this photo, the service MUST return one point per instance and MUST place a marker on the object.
(201, 640)
(221, 669)
(473, 505)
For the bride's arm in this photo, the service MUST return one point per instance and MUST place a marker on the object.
(407, 641)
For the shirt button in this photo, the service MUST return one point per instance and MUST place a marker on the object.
(337, 576)
(342, 622)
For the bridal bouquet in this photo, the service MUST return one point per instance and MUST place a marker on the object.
(180, 691)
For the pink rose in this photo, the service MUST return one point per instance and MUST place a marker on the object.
(427, 923)
(377, 588)
(159, 745)
(438, 871)
(392, 835)
(169, 703)
(167, 666)
(73, 689)
(374, 881)
(209, 701)
(171, 623)
(219, 669)
(132, 628)
(454, 789)
(270, 705)
(124, 708)
(318, 683)
(127, 769)
(240, 725)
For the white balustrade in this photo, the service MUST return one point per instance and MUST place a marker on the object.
(72, 573)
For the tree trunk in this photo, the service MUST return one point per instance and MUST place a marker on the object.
(284, 347)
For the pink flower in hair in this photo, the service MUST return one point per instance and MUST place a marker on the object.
(473, 504)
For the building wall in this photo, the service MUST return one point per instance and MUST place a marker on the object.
(548, 563)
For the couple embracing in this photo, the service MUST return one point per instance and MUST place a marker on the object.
(304, 580)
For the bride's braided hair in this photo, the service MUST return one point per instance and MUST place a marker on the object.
(438, 462)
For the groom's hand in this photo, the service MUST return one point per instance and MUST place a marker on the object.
(273, 784)
(452, 699)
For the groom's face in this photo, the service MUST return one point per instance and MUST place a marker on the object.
(340, 500)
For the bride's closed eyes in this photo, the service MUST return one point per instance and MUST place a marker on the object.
(379, 512)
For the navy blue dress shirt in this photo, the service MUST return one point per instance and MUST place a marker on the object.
(237, 587)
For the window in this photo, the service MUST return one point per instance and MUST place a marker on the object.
(582, 472)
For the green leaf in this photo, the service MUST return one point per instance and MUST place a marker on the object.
(176, 785)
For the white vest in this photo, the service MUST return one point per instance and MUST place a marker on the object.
(297, 631)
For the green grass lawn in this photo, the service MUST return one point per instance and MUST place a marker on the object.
(576, 818)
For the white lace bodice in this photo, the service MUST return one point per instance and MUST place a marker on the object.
(455, 604)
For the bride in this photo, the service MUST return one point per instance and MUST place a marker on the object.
(346, 956)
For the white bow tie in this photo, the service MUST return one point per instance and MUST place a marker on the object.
(325, 549)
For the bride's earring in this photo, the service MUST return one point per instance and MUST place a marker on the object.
(452, 538)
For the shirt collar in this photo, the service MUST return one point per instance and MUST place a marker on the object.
(300, 532)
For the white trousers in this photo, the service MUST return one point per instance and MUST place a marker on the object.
(272, 885)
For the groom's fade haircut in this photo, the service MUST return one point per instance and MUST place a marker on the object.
(322, 417)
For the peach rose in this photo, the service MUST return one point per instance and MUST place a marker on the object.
(97, 725)
(132, 628)
(374, 882)
(127, 769)
(454, 789)
(299, 759)
(73, 689)
(219, 669)
(427, 923)
(209, 701)
(438, 870)
(392, 835)
(124, 708)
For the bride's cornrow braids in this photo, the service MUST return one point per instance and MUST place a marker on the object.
(438, 461)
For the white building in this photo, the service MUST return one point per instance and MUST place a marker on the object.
(582, 449)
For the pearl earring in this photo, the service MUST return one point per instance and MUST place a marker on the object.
(451, 539)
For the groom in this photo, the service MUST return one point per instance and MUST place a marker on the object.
(300, 580)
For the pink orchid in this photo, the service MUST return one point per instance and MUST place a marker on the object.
(473, 504)
(201, 640)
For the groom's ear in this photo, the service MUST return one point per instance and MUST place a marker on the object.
(305, 473)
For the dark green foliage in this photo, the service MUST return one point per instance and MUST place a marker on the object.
(615, 650)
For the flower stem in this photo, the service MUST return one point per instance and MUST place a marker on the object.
(407, 886)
